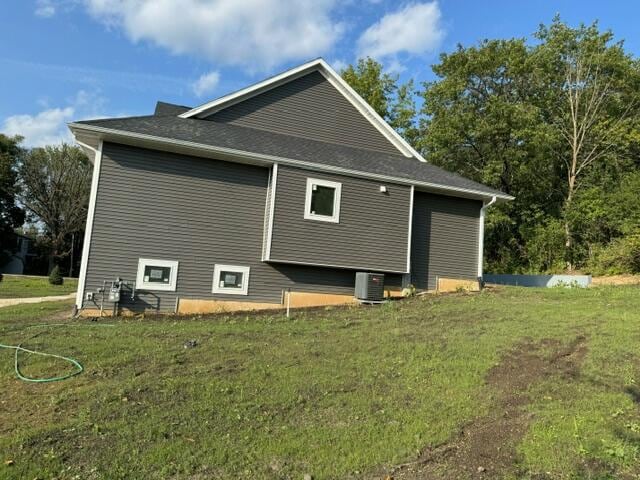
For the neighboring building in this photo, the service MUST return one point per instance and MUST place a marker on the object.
(18, 256)
(292, 183)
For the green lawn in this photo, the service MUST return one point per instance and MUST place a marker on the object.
(22, 287)
(336, 393)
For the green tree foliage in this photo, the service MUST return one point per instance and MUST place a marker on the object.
(56, 181)
(55, 277)
(392, 101)
(554, 123)
(11, 215)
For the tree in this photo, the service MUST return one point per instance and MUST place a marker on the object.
(479, 121)
(595, 84)
(55, 277)
(56, 181)
(541, 122)
(394, 103)
(11, 215)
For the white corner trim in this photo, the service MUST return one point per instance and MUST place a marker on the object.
(411, 193)
(141, 284)
(332, 77)
(242, 290)
(272, 209)
(86, 245)
(481, 235)
(308, 214)
(265, 220)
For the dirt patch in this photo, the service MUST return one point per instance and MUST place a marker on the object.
(486, 447)
(616, 280)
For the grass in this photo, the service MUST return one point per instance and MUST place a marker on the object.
(343, 392)
(23, 286)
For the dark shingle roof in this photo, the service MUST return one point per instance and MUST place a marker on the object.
(296, 148)
(169, 109)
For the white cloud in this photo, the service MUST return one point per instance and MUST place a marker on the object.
(206, 83)
(256, 34)
(338, 64)
(414, 30)
(44, 128)
(49, 126)
(45, 8)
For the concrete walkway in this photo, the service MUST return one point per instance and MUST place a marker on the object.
(7, 302)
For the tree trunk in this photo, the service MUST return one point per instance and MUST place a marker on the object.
(73, 248)
(568, 242)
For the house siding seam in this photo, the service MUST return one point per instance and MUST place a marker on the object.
(444, 238)
(199, 212)
(308, 107)
(372, 230)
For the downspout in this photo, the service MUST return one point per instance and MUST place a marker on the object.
(481, 235)
(82, 276)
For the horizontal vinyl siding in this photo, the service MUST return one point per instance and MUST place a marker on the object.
(199, 212)
(372, 232)
(444, 238)
(308, 107)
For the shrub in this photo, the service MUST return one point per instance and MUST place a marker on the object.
(622, 255)
(409, 291)
(55, 278)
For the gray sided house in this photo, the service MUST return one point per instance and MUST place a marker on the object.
(294, 183)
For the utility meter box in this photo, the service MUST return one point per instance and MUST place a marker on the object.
(114, 293)
(369, 286)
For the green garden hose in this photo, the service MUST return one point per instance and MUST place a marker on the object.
(19, 348)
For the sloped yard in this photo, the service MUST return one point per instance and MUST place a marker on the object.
(22, 286)
(509, 383)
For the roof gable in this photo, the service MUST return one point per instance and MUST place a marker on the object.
(308, 107)
(338, 112)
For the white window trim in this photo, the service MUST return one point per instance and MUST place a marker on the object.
(335, 218)
(167, 287)
(216, 288)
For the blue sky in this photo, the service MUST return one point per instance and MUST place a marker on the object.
(64, 60)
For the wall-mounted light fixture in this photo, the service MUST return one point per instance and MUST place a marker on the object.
(383, 188)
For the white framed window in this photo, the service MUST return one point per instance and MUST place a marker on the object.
(322, 200)
(231, 279)
(157, 274)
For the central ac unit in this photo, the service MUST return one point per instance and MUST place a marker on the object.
(369, 287)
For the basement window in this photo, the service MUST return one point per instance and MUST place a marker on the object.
(230, 279)
(157, 274)
(322, 200)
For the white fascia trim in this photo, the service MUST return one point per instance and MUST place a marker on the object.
(481, 235)
(367, 111)
(271, 159)
(410, 229)
(86, 245)
(337, 187)
(251, 90)
(272, 209)
(334, 78)
(330, 265)
(150, 286)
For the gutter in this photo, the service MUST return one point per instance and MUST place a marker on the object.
(481, 235)
(271, 159)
